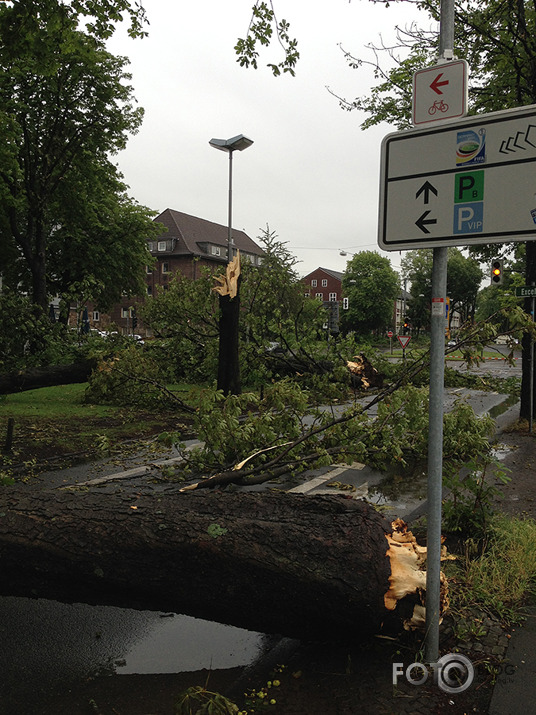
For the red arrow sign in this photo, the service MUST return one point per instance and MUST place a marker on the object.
(436, 84)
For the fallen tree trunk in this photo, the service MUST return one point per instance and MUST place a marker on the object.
(36, 377)
(303, 566)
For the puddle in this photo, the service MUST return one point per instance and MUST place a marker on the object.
(46, 645)
(400, 492)
(502, 407)
(180, 644)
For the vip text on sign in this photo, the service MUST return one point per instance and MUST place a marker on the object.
(440, 93)
(461, 183)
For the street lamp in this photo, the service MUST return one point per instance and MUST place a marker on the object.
(228, 362)
(238, 143)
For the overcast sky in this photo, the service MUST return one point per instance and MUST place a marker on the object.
(312, 174)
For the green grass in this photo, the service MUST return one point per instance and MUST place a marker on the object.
(503, 578)
(52, 402)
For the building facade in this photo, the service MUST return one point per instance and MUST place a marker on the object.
(324, 284)
(186, 245)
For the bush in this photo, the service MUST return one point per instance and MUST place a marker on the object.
(130, 378)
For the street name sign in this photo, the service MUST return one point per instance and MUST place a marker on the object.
(440, 93)
(526, 292)
(464, 182)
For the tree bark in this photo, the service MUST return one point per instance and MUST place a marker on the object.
(228, 357)
(33, 378)
(303, 566)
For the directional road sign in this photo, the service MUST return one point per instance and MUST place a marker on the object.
(465, 182)
(526, 292)
(440, 92)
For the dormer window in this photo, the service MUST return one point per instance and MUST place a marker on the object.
(162, 245)
(216, 251)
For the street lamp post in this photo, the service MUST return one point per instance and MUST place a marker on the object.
(228, 362)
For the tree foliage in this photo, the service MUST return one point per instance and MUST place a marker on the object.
(263, 26)
(463, 281)
(372, 286)
(274, 312)
(66, 107)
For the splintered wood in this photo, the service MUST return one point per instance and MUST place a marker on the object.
(408, 574)
(229, 282)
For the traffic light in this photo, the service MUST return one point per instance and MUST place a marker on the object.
(497, 272)
(406, 326)
(134, 319)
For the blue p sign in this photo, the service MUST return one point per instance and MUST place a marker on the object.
(469, 218)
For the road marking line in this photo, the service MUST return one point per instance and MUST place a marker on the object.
(317, 481)
(134, 472)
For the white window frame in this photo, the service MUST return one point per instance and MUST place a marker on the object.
(324, 282)
(216, 251)
(319, 296)
(314, 283)
(345, 302)
(162, 246)
(333, 297)
(165, 267)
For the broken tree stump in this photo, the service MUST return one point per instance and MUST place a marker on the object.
(302, 566)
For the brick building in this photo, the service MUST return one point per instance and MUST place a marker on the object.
(188, 244)
(324, 284)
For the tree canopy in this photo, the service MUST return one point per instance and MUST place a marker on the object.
(464, 276)
(66, 107)
(371, 286)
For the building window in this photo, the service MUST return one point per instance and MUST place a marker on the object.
(345, 303)
(162, 245)
(307, 295)
(259, 260)
(165, 267)
(149, 290)
(152, 246)
(333, 296)
(319, 296)
(324, 282)
(314, 283)
(125, 312)
(216, 251)
(148, 269)
(96, 316)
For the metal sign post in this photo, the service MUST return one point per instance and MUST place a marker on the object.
(435, 411)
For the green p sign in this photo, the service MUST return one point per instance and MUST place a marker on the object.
(469, 187)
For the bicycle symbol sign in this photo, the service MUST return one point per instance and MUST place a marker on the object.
(438, 106)
(440, 92)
